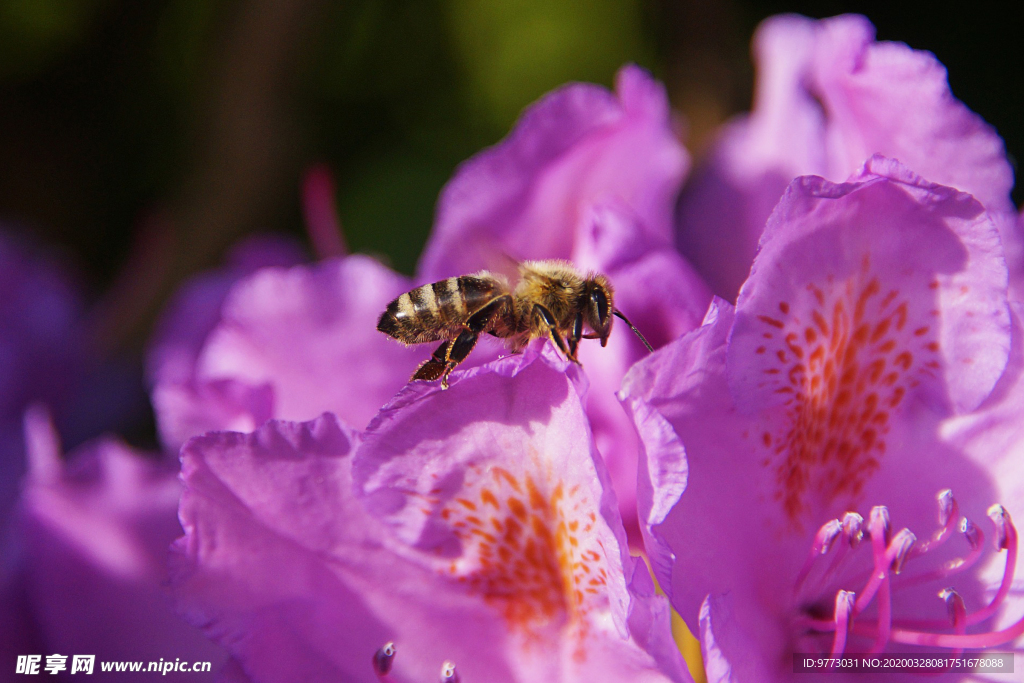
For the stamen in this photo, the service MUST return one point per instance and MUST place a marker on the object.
(883, 561)
(1001, 519)
(957, 615)
(853, 534)
(878, 529)
(955, 641)
(321, 213)
(900, 548)
(949, 512)
(890, 556)
(956, 609)
(383, 659)
(844, 606)
(823, 541)
(878, 524)
(448, 673)
(975, 539)
(972, 533)
(1006, 539)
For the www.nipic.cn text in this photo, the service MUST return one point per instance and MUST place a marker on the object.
(86, 664)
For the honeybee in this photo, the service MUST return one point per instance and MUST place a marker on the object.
(551, 299)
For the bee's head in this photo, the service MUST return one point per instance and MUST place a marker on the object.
(597, 307)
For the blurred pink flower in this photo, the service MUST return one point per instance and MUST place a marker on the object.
(84, 552)
(828, 97)
(875, 312)
(265, 338)
(473, 527)
(89, 565)
(41, 349)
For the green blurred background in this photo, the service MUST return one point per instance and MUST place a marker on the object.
(153, 134)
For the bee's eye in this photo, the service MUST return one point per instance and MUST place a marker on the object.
(600, 301)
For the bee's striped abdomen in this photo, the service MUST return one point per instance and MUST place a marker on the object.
(438, 310)
(477, 292)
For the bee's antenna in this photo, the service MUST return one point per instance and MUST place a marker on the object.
(618, 314)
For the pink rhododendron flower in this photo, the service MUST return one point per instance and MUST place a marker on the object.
(472, 532)
(875, 312)
(828, 97)
(90, 570)
(592, 177)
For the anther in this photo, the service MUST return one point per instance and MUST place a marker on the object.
(384, 658)
(900, 548)
(972, 533)
(949, 512)
(448, 673)
(1001, 519)
(957, 611)
(955, 607)
(853, 528)
(947, 506)
(844, 606)
(878, 523)
(1006, 539)
(826, 536)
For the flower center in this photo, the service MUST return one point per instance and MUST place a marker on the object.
(533, 554)
(839, 360)
(866, 617)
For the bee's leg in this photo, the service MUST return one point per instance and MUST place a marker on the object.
(574, 337)
(436, 365)
(549, 321)
(458, 352)
(450, 354)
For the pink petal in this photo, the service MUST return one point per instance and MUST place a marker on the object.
(195, 310)
(581, 144)
(702, 541)
(908, 271)
(281, 564)
(732, 654)
(289, 344)
(292, 329)
(865, 298)
(828, 98)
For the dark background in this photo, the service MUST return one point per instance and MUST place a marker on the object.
(146, 137)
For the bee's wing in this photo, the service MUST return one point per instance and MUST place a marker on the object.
(500, 262)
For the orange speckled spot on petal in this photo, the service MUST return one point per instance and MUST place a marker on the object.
(848, 358)
(526, 554)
